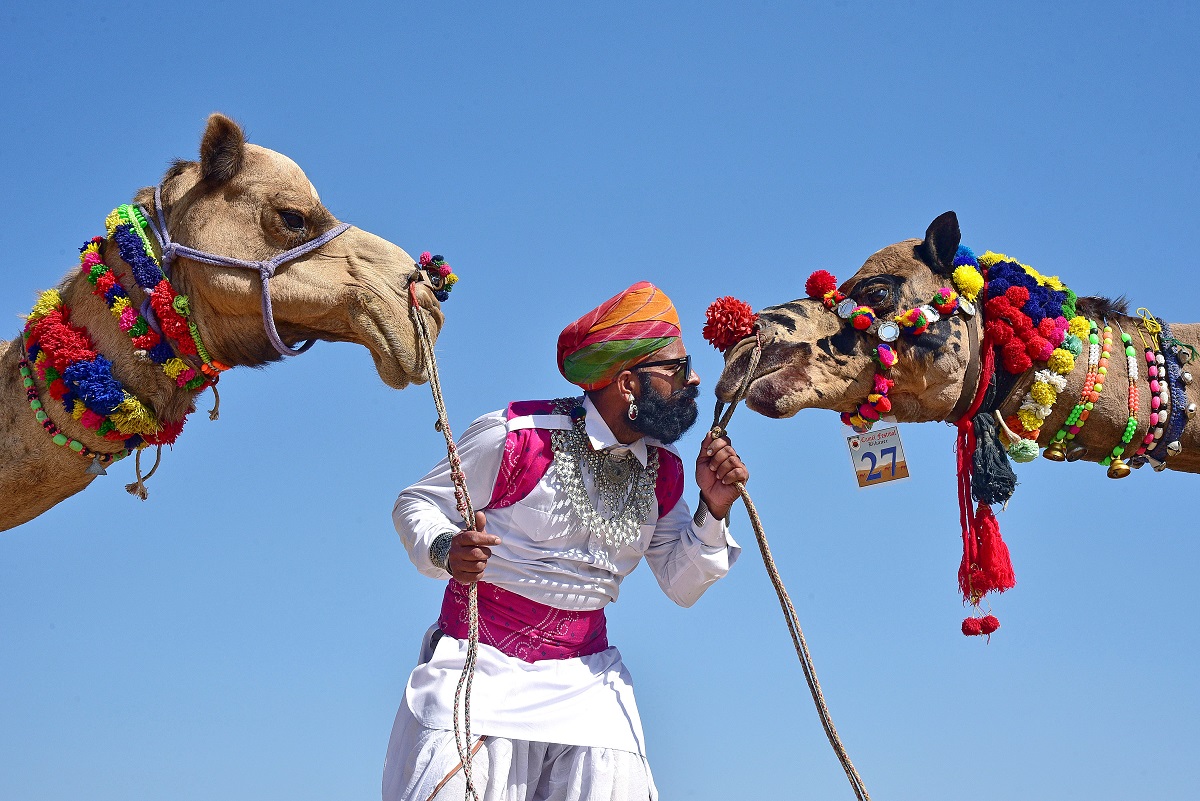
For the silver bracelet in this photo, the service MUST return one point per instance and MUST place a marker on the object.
(439, 550)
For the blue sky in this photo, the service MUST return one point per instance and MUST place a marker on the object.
(246, 633)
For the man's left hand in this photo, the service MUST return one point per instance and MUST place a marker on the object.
(718, 470)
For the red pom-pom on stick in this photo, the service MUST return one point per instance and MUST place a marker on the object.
(729, 321)
(819, 283)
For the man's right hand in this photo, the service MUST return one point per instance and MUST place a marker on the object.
(469, 551)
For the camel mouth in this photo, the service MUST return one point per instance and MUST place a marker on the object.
(394, 350)
(737, 363)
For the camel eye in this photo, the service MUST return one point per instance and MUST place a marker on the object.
(293, 220)
(876, 296)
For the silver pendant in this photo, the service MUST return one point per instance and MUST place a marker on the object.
(845, 307)
(966, 307)
(94, 468)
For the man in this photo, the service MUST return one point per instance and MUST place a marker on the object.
(577, 492)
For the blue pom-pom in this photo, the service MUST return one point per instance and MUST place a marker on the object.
(93, 382)
(161, 352)
(442, 295)
(133, 441)
(115, 291)
(964, 255)
(997, 287)
(145, 271)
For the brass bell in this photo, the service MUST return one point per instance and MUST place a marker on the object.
(1076, 452)
(1184, 355)
(1055, 452)
(1118, 468)
(1186, 377)
(1174, 448)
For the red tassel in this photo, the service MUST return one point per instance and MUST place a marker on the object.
(993, 558)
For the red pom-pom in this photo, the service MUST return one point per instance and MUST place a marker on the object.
(884, 405)
(819, 283)
(1016, 360)
(58, 389)
(972, 627)
(1047, 326)
(729, 321)
(1017, 295)
(1039, 348)
(988, 624)
(998, 332)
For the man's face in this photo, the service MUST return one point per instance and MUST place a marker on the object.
(667, 403)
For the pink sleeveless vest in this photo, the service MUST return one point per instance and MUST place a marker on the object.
(515, 625)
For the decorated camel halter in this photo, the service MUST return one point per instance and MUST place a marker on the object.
(65, 359)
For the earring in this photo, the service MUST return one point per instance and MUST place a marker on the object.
(633, 409)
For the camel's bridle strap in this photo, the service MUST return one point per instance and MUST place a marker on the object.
(974, 367)
(266, 269)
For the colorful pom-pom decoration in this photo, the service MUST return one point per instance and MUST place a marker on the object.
(884, 355)
(727, 322)
(819, 284)
(862, 317)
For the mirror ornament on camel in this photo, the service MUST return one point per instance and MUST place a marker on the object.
(111, 361)
(925, 331)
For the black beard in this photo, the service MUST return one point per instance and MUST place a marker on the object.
(666, 418)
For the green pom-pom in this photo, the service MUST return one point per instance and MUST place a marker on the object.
(180, 304)
(1023, 450)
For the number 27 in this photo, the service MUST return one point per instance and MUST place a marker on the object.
(875, 474)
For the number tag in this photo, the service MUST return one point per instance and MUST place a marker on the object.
(877, 456)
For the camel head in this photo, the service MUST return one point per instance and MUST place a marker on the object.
(811, 358)
(247, 202)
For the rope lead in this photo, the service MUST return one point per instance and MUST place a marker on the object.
(719, 427)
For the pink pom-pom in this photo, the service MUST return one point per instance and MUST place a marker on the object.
(882, 384)
(972, 627)
(728, 321)
(444, 270)
(819, 283)
(885, 355)
(426, 259)
(867, 412)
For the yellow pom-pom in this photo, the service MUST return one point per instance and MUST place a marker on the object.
(119, 305)
(112, 221)
(1029, 420)
(78, 409)
(132, 417)
(1043, 393)
(968, 281)
(1061, 361)
(451, 280)
(90, 247)
(173, 367)
(48, 302)
(990, 258)
(1080, 326)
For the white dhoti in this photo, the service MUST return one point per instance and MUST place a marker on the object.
(422, 764)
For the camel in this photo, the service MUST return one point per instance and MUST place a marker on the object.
(810, 357)
(239, 201)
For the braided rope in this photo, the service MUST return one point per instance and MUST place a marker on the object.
(462, 692)
(785, 602)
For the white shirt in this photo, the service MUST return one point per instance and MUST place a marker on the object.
(547, 555)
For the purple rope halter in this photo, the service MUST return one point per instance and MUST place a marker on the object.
(266, 269)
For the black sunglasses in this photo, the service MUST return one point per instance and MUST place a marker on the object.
(682, 365)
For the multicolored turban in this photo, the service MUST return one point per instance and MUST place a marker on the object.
(618, 334)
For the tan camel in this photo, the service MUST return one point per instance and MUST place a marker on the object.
(812, 359)
(242, 201)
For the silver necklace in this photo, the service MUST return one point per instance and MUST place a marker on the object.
(625, 488)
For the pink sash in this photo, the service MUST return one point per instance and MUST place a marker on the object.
(521, 628)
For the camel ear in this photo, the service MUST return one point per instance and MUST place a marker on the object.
(221, 149)
(941, 243)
